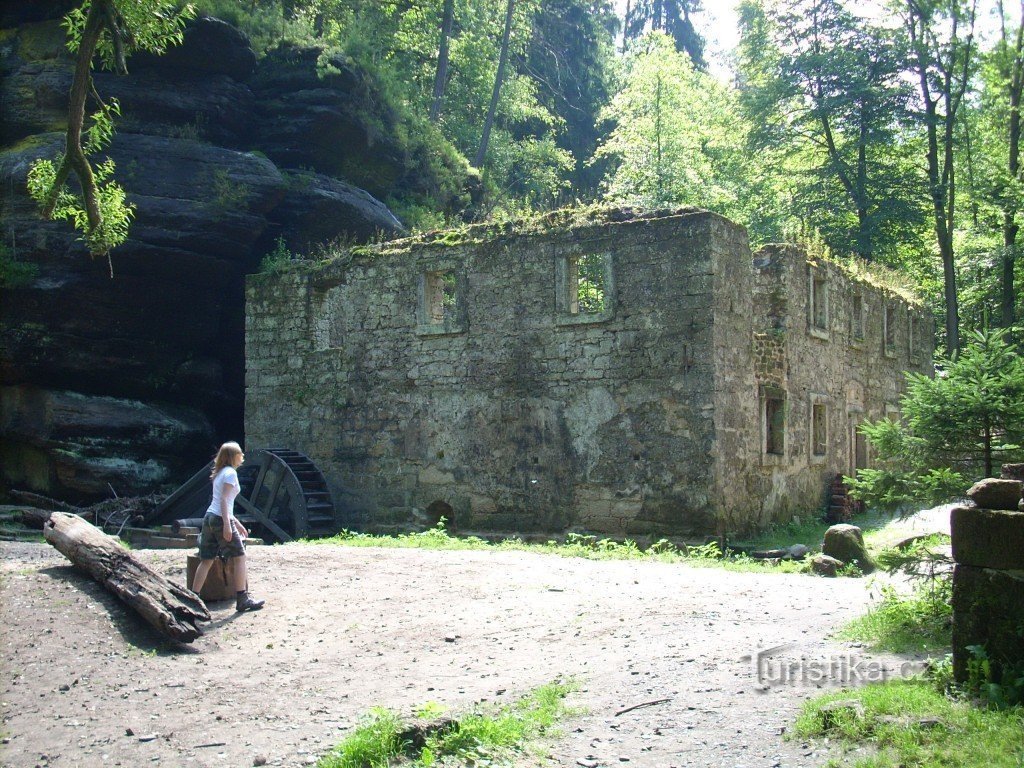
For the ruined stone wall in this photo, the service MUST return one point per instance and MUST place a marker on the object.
(505, 412)
(453, 378)
(820, 345)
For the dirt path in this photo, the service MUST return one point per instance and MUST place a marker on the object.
(346, 629)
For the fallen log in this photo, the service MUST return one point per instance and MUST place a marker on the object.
(43, 502)
(34, 518)
(170, 608)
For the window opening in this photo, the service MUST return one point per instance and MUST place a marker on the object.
(890, 330)
(819, 302)
(858, 317)
(439, 290)
(775, 423)
(819, 429)
(912, 336)
(586, 284)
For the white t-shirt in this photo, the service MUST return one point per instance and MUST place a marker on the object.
(227, 476)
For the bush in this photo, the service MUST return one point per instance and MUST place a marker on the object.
(958, 427)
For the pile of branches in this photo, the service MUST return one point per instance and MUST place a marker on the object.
(110, 515)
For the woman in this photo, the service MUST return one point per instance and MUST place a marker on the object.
(222, 533)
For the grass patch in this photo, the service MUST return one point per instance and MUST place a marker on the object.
(908, 723)
(573, 545)
(906, 623)
(480, 738)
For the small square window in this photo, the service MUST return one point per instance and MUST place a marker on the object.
(439, 289)
(440, 309)
(584, 288)
(774, 423)
(819, 430)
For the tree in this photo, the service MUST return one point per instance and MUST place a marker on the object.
(441, 77)
(823, 88)
(941, 37)
(570, 58)
(671, 17)
(499, 78)
(678, 137)
(114, 29)
(958, 426)
(999, 121)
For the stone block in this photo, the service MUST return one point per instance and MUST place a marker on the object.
(988, 538)
(1012, 472)
(988, 610)
(220, 582)
(996, 493)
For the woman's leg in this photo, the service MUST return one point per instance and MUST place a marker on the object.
(242, 600)
(202, 571)
(241, 574)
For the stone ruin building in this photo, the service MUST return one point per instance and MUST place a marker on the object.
(624, 375)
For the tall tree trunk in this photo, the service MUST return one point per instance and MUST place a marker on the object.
(498, 79)
(951, 76)
(1015, 82)
(441, 76)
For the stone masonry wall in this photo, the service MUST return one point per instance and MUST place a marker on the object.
(515, 415)
(484, 400)
(826, 358)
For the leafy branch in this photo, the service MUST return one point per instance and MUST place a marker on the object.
(111, 29)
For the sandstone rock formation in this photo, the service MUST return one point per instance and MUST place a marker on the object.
(163, 339)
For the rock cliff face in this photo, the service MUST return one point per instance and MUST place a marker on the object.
(133, 381)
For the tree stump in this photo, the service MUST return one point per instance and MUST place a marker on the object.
(170, 608)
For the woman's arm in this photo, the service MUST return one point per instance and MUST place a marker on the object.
(227, 499)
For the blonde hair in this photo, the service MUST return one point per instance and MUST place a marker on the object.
(225, 457)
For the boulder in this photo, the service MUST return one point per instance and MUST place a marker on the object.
(209, 47)
(996, 493)
(823, 565)
(315, 208)
(167, 332)
(1012, 472)
(846, 542)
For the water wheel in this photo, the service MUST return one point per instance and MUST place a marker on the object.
(283, 496)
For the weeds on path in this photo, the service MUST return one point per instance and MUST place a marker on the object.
(574, 545)
(911, 724)
(481, 738)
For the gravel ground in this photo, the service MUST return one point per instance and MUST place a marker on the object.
(86, 684)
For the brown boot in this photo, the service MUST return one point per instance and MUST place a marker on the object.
(245, 603)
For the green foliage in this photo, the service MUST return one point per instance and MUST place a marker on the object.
(902, 623)
(1001, 685)
(678, 138)
(279, 260)
(908, 724)
(373, 744)
(115, 212)
(485, 737)
(100, 210)
(152, 25)
(15, 273)
(228, 195)
(573, 545)
(959, 426)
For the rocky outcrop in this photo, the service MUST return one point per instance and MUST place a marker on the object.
(201, 150)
